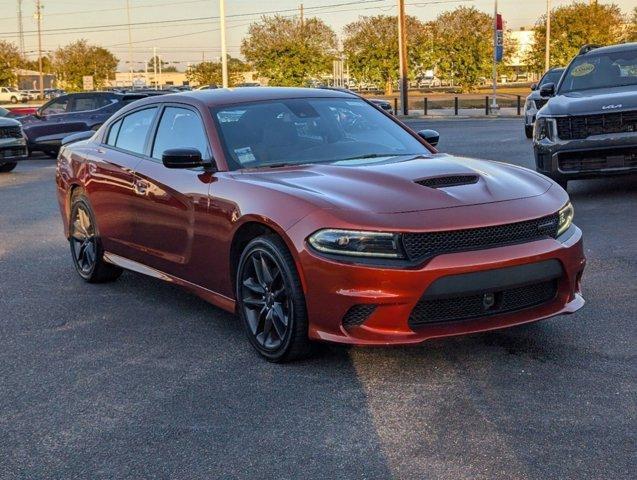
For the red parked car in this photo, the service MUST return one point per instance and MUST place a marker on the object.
(316, 216)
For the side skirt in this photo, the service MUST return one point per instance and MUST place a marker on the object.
(216, 299)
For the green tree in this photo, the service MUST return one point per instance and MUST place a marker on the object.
(290, 52)
(572, 26)
(10, 59)
(78, 59)
(371, 48)
(209, 73)
(463, 46)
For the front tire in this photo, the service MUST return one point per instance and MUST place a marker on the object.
(14, 99)
(270, 301)
(85, 243)
(7, 167)
(528, 131)
(51, 153)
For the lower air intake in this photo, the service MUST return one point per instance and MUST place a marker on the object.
(357, 315)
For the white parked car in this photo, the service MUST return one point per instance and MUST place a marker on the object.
(13, 95)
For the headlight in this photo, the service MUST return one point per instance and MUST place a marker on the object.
(530, 104)
(357, 244)
(566, 215)
(543, 128)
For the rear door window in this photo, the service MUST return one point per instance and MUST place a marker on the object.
(134, 130)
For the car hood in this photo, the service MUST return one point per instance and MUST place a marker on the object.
(586, 102)
(8, 122)
(390, 187)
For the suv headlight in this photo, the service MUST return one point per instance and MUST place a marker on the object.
(357, 243)
(543, 128)
(566, 215)
(530, 104)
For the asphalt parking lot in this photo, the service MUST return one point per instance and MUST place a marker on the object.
(139, 379)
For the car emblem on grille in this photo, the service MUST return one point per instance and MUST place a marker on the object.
(611, 106)
(488, 300)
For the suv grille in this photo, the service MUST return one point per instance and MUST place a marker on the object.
(420, 246)
(431, 311)
(608, 159)
(10, 132)
(583, 126)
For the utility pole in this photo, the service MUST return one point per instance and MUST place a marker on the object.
(130, 46)
(20, 28)
(155, 66)
(302, 16)
(494, 101)
(224, 50)
(547, 50)
(402, 53)
(38, 16)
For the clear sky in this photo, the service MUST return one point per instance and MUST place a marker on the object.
(104, 22)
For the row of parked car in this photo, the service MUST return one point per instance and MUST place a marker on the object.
(13, 95)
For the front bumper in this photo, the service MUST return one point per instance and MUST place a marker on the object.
(13, 150)
(600, 155)
(333, 288)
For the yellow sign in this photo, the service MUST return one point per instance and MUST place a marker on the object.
(582, 70)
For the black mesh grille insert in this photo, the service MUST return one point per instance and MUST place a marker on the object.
(430, 311)
(611, 158)
(420, 246)
(582, 126)
(357, 314)
(449, 181)
(10, 132)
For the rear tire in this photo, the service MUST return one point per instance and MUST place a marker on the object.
(270, 301)
(528, 131)
(51, 153)
(7, 167)
(14, 99)
(85, 243)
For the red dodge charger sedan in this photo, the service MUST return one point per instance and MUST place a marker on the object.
(314, 215)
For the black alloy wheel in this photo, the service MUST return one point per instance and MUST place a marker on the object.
(270, 300)
(86, 248)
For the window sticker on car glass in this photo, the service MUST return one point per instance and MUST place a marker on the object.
(582, 70)
(245, 155)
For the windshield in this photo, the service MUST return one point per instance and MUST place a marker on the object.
(605, 70)
(551, 77)
(310, 130)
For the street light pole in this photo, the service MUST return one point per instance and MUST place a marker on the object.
(402, 53)
(494, 101)
(547, 51)
(130, 45)
(38, 14)
(224, 51)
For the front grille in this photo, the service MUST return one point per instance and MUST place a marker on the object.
(10, 132)
(420, 246)
(431, 311)
(357, 314)
(449, 181)
(582, 126)
(608, 159)
(13, 152)
(540, 102)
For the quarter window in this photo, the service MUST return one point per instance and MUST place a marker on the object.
(134, 130)
(180, 128)
(112, 133)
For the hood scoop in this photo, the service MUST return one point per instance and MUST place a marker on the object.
(448, 181)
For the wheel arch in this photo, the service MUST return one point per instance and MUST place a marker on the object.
(250, 229)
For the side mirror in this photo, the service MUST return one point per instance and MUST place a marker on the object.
(182, 158)
(430, 136)
(533, 86)
(547, 90)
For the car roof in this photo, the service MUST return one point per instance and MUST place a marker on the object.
(227, 96)
(611, 49)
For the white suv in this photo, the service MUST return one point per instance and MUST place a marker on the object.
(10, 94)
